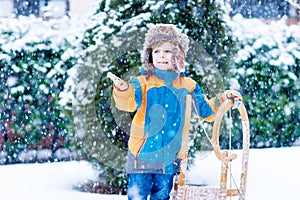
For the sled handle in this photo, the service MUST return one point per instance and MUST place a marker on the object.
(225, 106)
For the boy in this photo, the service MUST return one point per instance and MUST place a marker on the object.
(161, 97)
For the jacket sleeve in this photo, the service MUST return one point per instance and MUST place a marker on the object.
(129, 99)
(206, 108)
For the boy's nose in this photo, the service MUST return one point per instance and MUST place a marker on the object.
(162, 55)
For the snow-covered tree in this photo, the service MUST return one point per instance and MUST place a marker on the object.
(268, 71)
(35, 58)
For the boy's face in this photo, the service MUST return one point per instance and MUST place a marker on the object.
(162, 56)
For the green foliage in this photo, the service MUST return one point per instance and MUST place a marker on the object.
(271, 89)
(31, 117)
(271, 95)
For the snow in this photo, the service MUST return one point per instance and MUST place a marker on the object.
(276, 36)
(21, 33)
(273, 174)
(47, 181)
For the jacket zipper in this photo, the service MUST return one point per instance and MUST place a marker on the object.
(163, 153)
(135, 162)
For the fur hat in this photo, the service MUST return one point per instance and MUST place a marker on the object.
(163, 33)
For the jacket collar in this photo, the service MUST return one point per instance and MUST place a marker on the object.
(167, 76)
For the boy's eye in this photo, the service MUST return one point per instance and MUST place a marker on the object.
(165, 51)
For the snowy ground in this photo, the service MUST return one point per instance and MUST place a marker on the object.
(274, 174)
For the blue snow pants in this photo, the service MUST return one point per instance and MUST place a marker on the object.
(158, 186)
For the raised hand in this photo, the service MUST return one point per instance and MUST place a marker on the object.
(119, 83)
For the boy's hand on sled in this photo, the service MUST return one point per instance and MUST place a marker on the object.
(119, 83)
(235, 95)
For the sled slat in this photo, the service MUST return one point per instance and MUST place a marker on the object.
(232, 192)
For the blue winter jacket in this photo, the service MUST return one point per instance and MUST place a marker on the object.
(159, 129)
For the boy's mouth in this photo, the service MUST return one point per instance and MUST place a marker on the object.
(165, 63)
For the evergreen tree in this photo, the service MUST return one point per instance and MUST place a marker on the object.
(272, 92)
(113, 43)
(30, 115)
(36, 61)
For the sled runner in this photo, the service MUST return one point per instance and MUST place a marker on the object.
(183, 191)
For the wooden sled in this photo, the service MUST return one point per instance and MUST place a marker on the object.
(183, 191)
